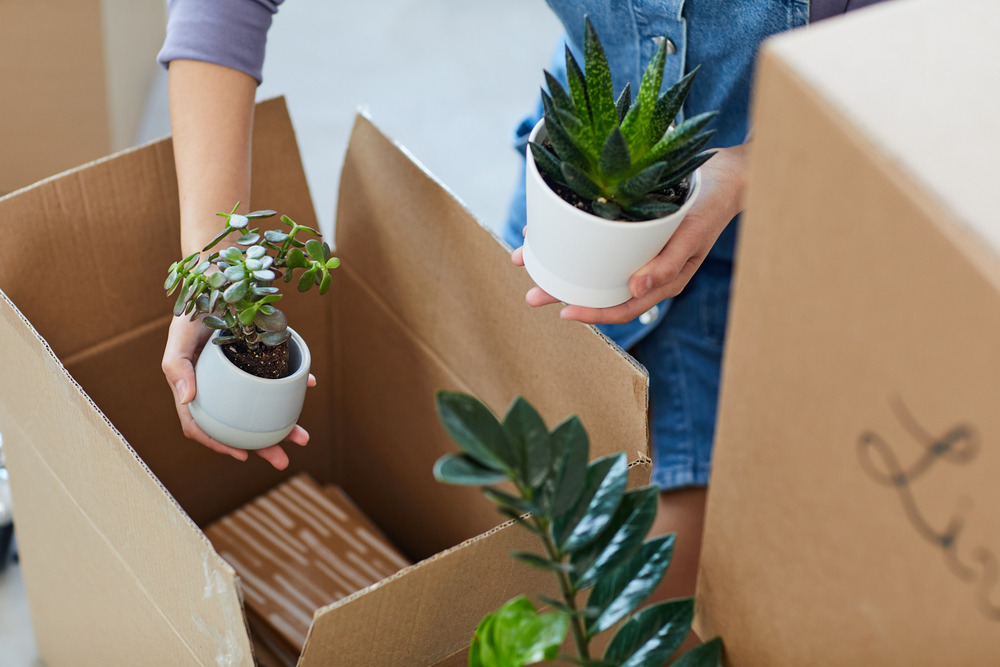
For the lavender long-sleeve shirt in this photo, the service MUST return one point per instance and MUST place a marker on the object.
(233, 33)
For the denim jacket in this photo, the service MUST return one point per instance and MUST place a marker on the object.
(720, 35)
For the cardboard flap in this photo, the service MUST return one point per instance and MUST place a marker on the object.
(851, 517)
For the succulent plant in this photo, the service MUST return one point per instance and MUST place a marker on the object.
(238, 294)
(619, 154)
(592, 529)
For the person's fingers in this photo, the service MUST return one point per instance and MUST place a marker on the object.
(524, 230)
(299, 436)
(536, 296)
(274, 455)
(193, 432)
(180, 376)
(620, 314)
(668, 264)
(517, 256)
(312, 381)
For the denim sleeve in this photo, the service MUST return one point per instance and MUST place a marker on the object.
(231, 33)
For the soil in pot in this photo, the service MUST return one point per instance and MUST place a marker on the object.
(262, 361)
(676, 194)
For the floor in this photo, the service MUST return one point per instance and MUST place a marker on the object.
(449, 79)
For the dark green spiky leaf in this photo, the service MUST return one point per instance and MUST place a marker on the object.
(546, 162)
(649, 90)
(511, 502)
(679, 136)
(643, 182)
(296, 259)
(652, 635)
(669, 104)
(274, 322)
(578, 89)
(248, 239)
(624, 102)
(651, 209)
(570, 440)
(464, 470)
(708, 654)
(214, 242)
(315, 250)
(235, 292)
(541, 562)
(324, 285)
(615, 157)
(686, 169)
(222, 340)
(686, 150)
(564, 146)
(475, 429)
(307, 280)
(213, 322)
(580, 183)
(559, 96)
(529, 438)
(256, 215)
(620, 540)
(275, 236)
(274, 338)
(604, 485)
(217, 280)
(600, 94)
(606, 209)
(621, 591)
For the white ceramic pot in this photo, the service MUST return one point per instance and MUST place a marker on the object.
(583, 259)
(245, 411)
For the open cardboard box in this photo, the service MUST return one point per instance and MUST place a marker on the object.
(108, 494)
(852, 516)
(75, 77)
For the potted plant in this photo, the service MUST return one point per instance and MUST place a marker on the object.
(592, 531)
(607, 182)
(252, 380)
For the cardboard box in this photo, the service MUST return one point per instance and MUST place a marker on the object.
(109, 496)
(852, 514)
(75, 77)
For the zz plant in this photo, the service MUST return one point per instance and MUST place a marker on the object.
(239, 296)
(592, 532)
(619, 155)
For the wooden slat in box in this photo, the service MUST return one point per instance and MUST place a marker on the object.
(109, 495)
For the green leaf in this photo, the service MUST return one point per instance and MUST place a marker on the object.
(296, 259)
(235, 273)
(247, 316)
(213, 300)
(643, 182)
(556, 604)
(232, 255)
(307, 280)
(263, 290)
(565, 148)
(560, 97)
(475, 650)
(653, 635)
(324, 285)
(546, 162)
(649, 91)
(265, 275)
(464, 470)
(529, 438)
(222, 340)
(541, 562)
(182, 298)
(630, 126)
(248, 239)
(602, 492)
(708, 654)
(332, 263)
(256, 252)
(256, 215)
(684, 170)
(624, 102)
(326, 251)
(315, 250)
(521, 636)
(274, 338)
(686, 150)
(190, 261)
(621, 591)
(475, 429)
(288, 276)
(606, 209)
(267, 310)
(254, 264)
(600, 94)
(288, 221)
(201, 268)
(275, 236)
(580, 183)
(508, 501)
(669, 104)
(235, 292)
(621, 539)
(213, 322)
(275, 322)
(615, 157)
(570, 440)
(172, 279)
(214, 242)
(578, 89)
(229, 318)
(217, 279)
(651, 209)
(237, 221)
(679, 136)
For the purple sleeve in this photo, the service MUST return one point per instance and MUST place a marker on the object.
(824, 9)
(231, 33)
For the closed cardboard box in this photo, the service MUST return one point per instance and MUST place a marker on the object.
(853, 514)
(109, 497)
(74, 76)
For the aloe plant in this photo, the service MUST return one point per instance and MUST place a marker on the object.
(592, 531)
(619, 155)
(238, 295)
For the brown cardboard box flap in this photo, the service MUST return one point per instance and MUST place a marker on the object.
(851, 516)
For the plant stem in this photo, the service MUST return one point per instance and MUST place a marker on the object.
(576, 621)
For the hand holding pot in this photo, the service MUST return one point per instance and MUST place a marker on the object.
(666, 275)
(184, 343)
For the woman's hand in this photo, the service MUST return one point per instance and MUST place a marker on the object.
(666, 275)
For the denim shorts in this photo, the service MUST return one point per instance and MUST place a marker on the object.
(680, 344)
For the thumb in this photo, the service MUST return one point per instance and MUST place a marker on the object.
(180, 375)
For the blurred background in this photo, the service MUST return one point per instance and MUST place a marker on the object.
(449, 79)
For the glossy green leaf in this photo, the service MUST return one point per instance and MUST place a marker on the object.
(273, 338)
(256, 215)
(564, 146)
(464, 470)
(511, 502)
(235, 292)
(232, 255)
(570, 440)
(215, 241)
(275, 236)
(217, 280)
(235, 273)
(332, 263)
(182, 299)
(680, 135)
(624, 102)
(606, 209)
(274, 322)
(541, 562)
(324, 285)
(296, 259)
(685, 170)
(475, 429)
(686, 150)
(229, 318)
(201, 268)
(708, 654)
(247, 316)
(307, 280)
(643, 182)
(615, 157)
(529, 438)
(621, 591)
(263, 290)
(600, 94)
(213, 300)
(172, 279)
(521, 636)
(315, 250)
(669, 104)
(288, 221)
(649, 91)
(248, 239)
(266, 310)
(213, 322)
(653, 635)
(222, 340)
(578, 88)
(546, 162)
(190, 261)
(484, 629)
(651, 209)
(265, 275)
(560, 97)
(630, 126)
(620, 540)
(288, 276)
(602, 492)
(580, 183)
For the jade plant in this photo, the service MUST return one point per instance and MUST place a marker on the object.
(623, 157)
(238, 296)
(592, 531)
